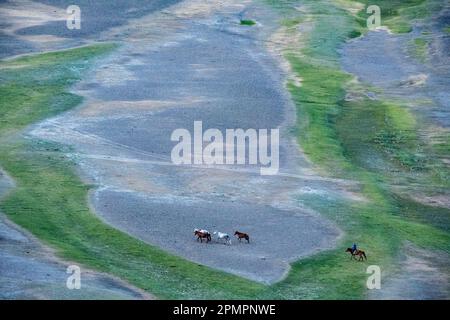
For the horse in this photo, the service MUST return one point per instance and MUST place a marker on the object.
(357, 253)
(223, 236)
(241, 235)
(202, 234)
(201, 230)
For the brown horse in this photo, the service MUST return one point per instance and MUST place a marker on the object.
(357, 253)
(202, 235)
(241, 235)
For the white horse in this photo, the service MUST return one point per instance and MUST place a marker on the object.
(223, 236)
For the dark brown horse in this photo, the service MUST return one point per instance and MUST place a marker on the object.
(202, 235)
(241, 235)
(357, 253)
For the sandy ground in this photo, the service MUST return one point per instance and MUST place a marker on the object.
(194, 61)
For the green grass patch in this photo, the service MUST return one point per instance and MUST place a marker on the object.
(419, 49)
(316, 103)
(289, 23)
(247, 22)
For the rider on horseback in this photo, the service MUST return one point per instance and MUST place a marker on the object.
(354, 248)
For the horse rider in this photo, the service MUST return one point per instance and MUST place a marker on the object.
(354, 248)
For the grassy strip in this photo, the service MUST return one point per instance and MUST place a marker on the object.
(419, 48)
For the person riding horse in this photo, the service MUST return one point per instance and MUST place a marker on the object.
(355, 252)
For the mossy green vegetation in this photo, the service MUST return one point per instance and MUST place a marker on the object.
(247, 22)
(289, 23)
